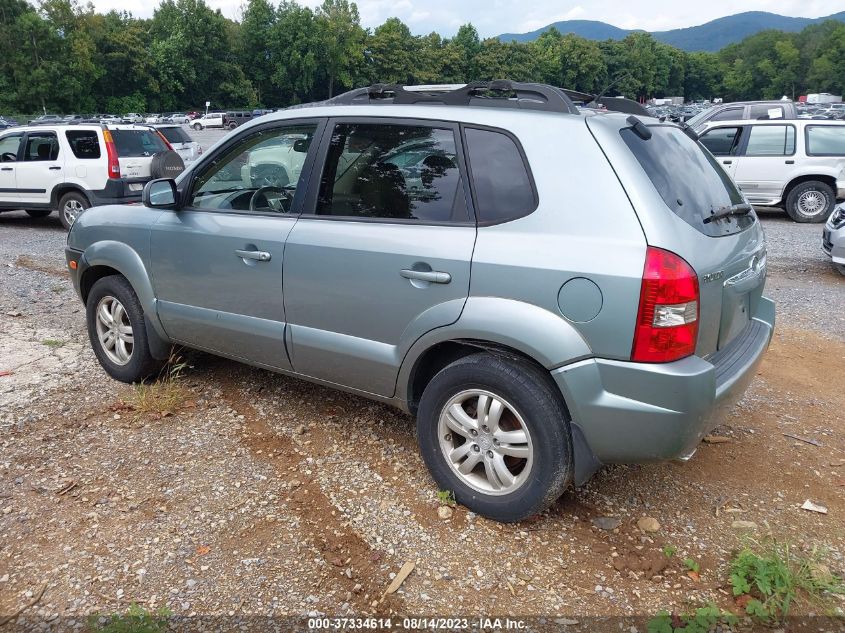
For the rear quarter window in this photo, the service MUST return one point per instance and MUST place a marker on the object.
(137, 143)
(825, 140)
(85, 144)
(175, 135)
(688, 178)
(504, 189)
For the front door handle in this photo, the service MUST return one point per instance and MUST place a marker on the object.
(790, 162)
(259, 256)
(727, 162)
(431, 276)
(7, 169)
(54, 168)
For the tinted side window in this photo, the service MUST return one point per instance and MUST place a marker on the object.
(765, 111)
(771, 140)
(84, 143)
(825, 140)
(9, 146)
(722, 141)
(41, 146)
(503, 187)
(392, 172)
(731, 114)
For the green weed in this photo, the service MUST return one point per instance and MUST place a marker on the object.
(135, 620)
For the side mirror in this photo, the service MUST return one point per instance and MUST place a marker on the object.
(301, 145)
(160, 194)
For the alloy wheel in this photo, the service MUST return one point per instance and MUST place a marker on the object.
(71, 210)
(486, 442)
(114, 330)
(812, 203)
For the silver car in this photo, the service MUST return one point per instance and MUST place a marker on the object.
(833, 238)
(545, 291)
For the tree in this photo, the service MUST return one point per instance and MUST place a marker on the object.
(341, 42)
(256, 53)
(391, 53)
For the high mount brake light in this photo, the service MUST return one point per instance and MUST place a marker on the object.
(667, 320)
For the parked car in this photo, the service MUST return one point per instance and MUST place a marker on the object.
(744, 110)
(46, 119)
(177, 117)
(234, 119)
(72, 119)
(133, 117)
(833, 238)
(560, 355)
(111, 119)
(193, 114)
(153, 118)
(7, 123)
(261, 112)
(212, 120)
(71, 168)
(798, 165)
(180, 141)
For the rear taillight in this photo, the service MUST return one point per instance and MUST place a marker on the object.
(111, 153)
(667, 322)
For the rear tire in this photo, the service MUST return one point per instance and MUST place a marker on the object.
(504, 424)
(232, 126)
(197, 127)
(71, 206)
(122, 349)
(38, 213)
(810, 202)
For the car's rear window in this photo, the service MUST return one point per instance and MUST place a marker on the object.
(175, 134)
(688, 178)
(136, 143)
(825, 140)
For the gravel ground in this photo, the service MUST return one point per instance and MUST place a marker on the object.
(255, 495)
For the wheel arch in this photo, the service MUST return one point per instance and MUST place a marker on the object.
(63, 188)
(532, 334)
(108, 257)
(825, 178)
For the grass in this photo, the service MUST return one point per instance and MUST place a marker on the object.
(669, 551)
(446, 498)
(768, 578)
(135, 620)
(692, 565)
(162, 397)
(702, 620)
(53, 343)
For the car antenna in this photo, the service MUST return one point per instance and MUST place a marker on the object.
(617, 79)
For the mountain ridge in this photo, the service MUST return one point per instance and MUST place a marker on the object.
(710, 36)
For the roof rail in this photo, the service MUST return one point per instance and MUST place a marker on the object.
(500, 93)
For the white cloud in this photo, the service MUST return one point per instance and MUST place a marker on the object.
(492, 17)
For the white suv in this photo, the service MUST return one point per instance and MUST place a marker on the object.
(71, 168)
(212, 119)
(796, 164)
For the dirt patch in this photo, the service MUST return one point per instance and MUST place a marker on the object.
(30, 263)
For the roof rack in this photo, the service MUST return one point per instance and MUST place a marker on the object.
(497, 94)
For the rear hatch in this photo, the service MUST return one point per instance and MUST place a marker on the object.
(136, 147)
(678, 204)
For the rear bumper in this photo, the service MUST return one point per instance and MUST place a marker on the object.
(118, 191)
(635, 412)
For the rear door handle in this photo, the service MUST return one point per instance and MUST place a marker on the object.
(431, 276)
(7, 169)
(54, 168)
(727, 162)
(790, 162)
(259, 256)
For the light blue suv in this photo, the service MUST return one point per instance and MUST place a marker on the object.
(546, 291)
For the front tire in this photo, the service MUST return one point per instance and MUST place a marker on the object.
(810, 202)
(71, 206)
(197, 127)
(117, 330)
(38, 213)
(495, 431)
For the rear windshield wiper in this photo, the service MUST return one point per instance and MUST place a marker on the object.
(724, 212)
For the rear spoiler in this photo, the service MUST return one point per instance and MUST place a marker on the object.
(614, 104)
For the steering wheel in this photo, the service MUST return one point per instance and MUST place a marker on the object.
(8, 157)
(262, 192)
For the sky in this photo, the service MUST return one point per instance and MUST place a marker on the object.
(493, 17)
